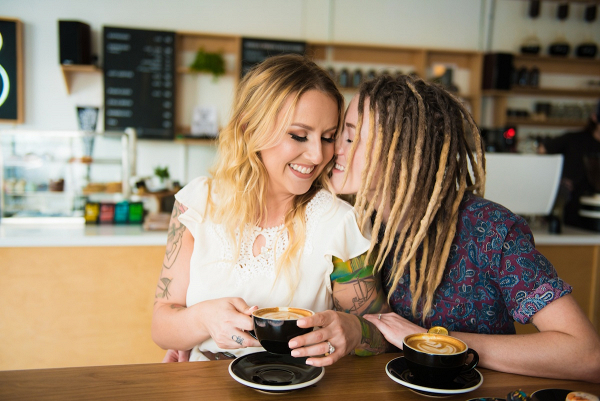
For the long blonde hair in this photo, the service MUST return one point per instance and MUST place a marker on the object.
(421, 142)
(240, 178)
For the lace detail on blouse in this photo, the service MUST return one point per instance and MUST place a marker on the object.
(263, 264)
(276, 242)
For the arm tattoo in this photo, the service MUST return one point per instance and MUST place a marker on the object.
(357, 289)
(174, 236)
(163, 292)
(372, 341)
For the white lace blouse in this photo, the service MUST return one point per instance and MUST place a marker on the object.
(215, 272)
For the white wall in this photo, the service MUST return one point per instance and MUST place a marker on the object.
(456, 24)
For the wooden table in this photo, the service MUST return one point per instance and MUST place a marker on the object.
(352, 378)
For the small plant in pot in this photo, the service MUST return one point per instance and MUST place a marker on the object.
(213, 63)
(160, 181)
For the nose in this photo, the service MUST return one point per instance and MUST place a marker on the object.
(339, 145)
(314, 153)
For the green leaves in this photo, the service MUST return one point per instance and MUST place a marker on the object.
(209, 62)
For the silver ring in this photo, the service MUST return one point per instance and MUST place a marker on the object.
(331, 348)
(379, 317)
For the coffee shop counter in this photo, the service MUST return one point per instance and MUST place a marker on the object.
(83, 295)
(78, 295)
(50, 235)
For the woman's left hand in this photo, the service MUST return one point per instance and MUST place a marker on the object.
(394, 327)
(340, 330)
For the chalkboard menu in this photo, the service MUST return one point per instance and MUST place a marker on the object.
(255, 50)
(11, 71)
(139, 81)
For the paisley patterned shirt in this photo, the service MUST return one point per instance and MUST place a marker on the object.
(494, 275)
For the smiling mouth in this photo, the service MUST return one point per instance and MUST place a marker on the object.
(339, 167)
(300, 169)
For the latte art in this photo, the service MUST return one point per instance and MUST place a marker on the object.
(436, 344)
(436, 347)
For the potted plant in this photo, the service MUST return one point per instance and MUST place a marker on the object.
(213, 63)
(160, 180)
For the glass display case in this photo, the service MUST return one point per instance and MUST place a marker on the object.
(51, 175)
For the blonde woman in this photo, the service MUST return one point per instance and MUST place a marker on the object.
(447, 256)
(262, 231)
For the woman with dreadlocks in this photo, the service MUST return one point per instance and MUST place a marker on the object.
(447, 257)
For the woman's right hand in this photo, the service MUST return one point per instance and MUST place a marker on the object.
(227, 320)
(394, 327)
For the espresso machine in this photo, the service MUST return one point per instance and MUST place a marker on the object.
(590, 204)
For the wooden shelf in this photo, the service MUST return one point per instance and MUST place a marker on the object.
(188, 140)
(401, 57)
(69, 69)
(559, 65)
(578, 68)
(554, 92)
(555, 122)
(188, 70)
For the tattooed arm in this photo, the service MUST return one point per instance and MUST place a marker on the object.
(170, 292)
(358, 291)
(179, 327)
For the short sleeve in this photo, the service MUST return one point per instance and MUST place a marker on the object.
(194, 196)
(527, 279)
(347, 241)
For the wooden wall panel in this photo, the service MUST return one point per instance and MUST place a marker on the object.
(77, 306)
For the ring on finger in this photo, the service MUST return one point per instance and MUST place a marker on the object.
(331, 349)
(379, 317)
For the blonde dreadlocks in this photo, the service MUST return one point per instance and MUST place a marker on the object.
(420, 144)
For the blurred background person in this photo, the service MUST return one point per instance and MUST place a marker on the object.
(575, 182)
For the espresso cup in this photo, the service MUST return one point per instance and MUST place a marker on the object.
(437, 359)
(275, 327)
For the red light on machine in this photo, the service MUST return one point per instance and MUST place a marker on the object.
(509, 133)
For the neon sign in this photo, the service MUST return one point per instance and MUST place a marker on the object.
(4, 78)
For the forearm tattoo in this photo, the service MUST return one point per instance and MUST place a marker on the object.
(372, 341)
(358, 290)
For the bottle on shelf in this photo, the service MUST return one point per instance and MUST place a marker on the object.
(357, 78)
(344, 78)
(534, 77)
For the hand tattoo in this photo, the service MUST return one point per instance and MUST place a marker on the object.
(238, 340)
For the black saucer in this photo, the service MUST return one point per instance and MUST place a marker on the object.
(550, 394)
(274, 373)
(397, 370)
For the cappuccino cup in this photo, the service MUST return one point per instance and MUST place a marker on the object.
(437, 359)
(275, 327)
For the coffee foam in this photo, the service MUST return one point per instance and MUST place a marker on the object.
(436, 344)
(282, 313)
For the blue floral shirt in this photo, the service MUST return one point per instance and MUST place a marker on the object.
(494, 275)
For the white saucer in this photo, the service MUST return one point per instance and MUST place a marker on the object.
(397, 370)
(273, 373)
